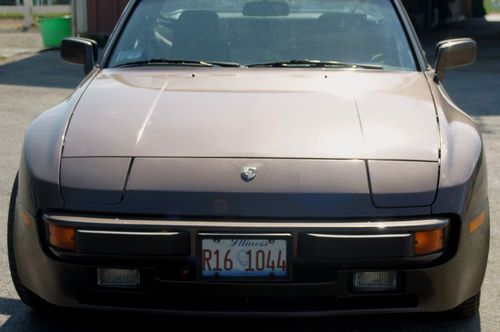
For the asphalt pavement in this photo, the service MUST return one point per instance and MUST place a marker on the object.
(32, 83)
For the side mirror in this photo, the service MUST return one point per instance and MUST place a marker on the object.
(80, 51)
(454, 53)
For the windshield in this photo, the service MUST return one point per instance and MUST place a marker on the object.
(259, 33)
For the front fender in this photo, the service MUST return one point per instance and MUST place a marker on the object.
(463, 192)
(463, 182)
(41, 155)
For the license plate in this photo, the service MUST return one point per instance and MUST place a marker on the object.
(244, 258)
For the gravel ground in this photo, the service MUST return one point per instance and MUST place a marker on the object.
(11, 25)
(14, 42)
(32, 84)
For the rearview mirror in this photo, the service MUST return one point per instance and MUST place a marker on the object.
(454, 53)
(80, 51)
(266, 8)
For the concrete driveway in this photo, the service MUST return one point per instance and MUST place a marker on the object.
(35, 83)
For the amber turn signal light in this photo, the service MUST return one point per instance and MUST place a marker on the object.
(62, 237)
(428, 242)
(25, 217)
(475, 223)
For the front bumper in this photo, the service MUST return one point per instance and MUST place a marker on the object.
(321, 284)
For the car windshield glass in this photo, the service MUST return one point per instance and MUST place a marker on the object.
(252, 33)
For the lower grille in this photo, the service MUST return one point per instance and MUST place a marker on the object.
(247, 304)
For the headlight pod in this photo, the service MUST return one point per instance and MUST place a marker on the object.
(94, 180)
(397, 184)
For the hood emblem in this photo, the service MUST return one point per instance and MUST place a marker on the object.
(248, 173)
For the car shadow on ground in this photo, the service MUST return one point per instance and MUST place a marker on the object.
(21, 318)
(44, 69)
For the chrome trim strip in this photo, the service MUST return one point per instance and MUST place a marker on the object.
(336, 236)
(246, 234)
(128, 233)
(376, 226)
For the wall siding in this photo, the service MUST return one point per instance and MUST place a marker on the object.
(103, 15)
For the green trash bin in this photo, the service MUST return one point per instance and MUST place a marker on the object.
(54, 30)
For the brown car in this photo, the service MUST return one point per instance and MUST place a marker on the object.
(267, 158)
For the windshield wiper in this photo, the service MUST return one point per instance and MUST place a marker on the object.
(315, 63)
(174, 62)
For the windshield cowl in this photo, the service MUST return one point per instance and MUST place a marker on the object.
(278, 64)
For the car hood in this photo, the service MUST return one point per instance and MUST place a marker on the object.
(255, 113)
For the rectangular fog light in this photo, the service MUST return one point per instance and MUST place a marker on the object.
(377, 281)
(118, 278)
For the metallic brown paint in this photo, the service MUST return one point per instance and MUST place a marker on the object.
(255, 113)
(325, 140)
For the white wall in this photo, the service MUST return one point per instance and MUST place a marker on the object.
(36, 9)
